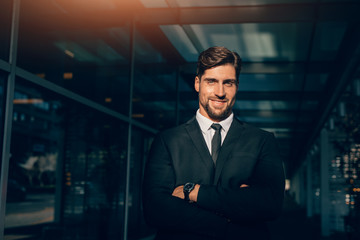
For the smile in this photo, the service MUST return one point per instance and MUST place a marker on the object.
(218, 102)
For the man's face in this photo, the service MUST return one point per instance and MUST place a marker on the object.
(217, 92)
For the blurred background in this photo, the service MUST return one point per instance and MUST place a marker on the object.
(86, 84)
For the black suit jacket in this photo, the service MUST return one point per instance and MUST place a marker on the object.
(223, 210)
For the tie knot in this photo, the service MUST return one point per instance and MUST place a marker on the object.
(216, 126)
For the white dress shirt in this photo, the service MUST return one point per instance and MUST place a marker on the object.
(208, 132)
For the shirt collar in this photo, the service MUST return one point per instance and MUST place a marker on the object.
(206, 123)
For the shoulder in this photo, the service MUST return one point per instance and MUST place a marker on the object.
(178, 131)
(252, 130)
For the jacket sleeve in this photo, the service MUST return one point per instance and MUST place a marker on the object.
(262, 200)
(162, 210)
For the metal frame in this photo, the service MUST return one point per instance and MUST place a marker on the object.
(78, 98)
(5, 66)
(128, 160)
(324, 183)
(10, 86)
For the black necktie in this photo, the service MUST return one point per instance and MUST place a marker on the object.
(216, 141)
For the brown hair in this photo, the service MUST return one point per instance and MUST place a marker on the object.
(217, 56)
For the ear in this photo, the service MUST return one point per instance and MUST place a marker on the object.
(197, 84)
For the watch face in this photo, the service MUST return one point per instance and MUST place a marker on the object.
(189, 186)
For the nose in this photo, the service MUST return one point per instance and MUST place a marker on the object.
(220, 91)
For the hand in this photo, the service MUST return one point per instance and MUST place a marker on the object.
(179, 192)
(194, 193)
(244, 185)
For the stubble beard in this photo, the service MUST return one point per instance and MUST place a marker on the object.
(217, 116)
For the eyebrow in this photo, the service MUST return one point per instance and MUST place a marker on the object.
(230, 80)
(215, 79)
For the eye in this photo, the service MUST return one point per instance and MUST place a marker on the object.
(229, 83)
(210, 81)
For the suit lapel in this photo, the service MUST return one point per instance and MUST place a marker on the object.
(198, 140)
(228, 144)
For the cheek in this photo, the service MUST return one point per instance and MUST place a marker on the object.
(232, 94)
(204, 92)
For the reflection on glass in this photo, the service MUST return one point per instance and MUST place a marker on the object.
(92, 61)
(67, 169)
(316, 82)
(140, 144)
(265, 105)
(253, 41)
(327, 40)
(270, 82)
(178, 37)
(154, 93)
(94, 174)
(36, 141)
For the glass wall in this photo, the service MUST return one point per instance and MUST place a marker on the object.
(332, 170)
(72, 52)
(36, 148)
(67, 168)
(95, 155)
(3, 77)
(188, 97)
(70, 126)
(95, 80)
(154, 95)
(5, 20)
(140, 146)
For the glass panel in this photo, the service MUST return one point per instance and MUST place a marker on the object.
(154, 95)
(95, 170)
(180, 40)
(140, 146)
(67, 169)
(268, 120)
(3, 78)
(265, 105)
(309, 105)
(188, 103)
(253, 41)
(36, 152)
(92, 61)
(270, 82)
(5, 29)
(328, 37)
(315, 82)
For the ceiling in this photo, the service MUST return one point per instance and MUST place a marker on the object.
(298, 55)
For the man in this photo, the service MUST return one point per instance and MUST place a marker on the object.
(205, 181)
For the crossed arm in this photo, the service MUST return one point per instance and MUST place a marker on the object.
(179, 192)
(214, 206)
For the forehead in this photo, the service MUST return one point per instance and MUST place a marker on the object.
(226, 71)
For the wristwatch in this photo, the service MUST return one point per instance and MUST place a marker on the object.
(188, 187)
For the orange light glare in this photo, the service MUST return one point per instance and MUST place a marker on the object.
(68, 75)
(139, 115)
(27, 101)
(41, 75)
(69, 53)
